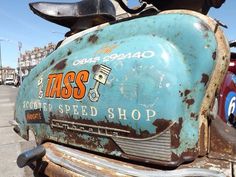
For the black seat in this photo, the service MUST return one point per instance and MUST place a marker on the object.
(76, 16)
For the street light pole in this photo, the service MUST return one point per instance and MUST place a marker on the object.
(1, 61)
(19, 62)
(20, 47)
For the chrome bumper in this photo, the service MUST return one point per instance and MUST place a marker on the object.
(64, 161)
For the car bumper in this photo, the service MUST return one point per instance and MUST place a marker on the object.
(9, 83)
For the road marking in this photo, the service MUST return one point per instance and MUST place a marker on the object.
(5, 95)
(5, 126)
(4, 116)
(7, 104)
(4, 100)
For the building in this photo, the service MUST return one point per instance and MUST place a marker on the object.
(7, 72)
(30, 59)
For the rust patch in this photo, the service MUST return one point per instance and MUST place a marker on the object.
(214, 55)
(61, 65)
(204, 26)
(187, 156)
(93, 38)
(205, 79)
(190, 102)
(175, 133)
(186, 92)
(222, 140)
(95, 68)
(52, 62)
(111, 146)
(161, 125)
(204, 112)
(78, 40)
(187, 100)
(194, 115)
(202, 139)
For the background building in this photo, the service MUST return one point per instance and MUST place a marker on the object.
(30, 59)
(7, 72)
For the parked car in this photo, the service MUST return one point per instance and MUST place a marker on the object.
(9, 81)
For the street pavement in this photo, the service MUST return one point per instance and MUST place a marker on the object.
(11, 145)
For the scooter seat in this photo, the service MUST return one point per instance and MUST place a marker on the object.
(80, 15)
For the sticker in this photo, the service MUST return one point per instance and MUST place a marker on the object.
(40, 86)
(233, 78)
(230, 104)
(115, 57)
(34, 116)
(101, 73)
(71, 84)
(59, 85)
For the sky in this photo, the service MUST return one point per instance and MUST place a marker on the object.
(18, 23)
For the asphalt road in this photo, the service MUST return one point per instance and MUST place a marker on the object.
(11, 145)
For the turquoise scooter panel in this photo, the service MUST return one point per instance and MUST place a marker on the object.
(131, 89)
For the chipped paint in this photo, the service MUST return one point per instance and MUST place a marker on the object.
(106, 49)
(52, 62)
(61, 65)
(143, 97)
(205, 79)
(93, 38)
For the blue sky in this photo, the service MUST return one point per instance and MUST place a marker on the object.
(18, 23)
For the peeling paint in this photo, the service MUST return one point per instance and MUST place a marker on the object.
(144, 94)
(93, 38)
(205, 79)
(61, 65)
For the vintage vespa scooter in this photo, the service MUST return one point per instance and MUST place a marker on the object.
(132, 97)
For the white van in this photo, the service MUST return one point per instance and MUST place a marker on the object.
(9, 81)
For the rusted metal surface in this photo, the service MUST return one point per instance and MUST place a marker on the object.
(63, 161)
(139, 97)
(60, 65)
(218, 165)
(205, 79)
(93, 38)
(222, 141)
(221, 56)
(53, 170)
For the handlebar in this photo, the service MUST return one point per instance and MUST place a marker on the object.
(129, 10)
